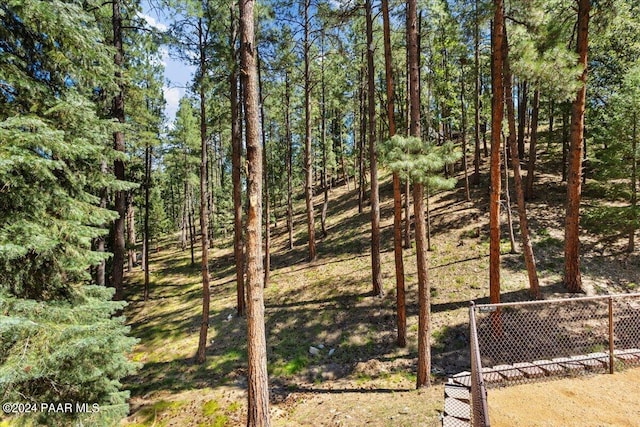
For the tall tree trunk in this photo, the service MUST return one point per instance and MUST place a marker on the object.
(211, 207)
(184, 224)
(463, 133)
(376, 273)
(483, 130)
(287, 123)
(634, 183)
(507, 202)
(572, 278)
(407, 215)
(308, 160)
(428, 218)
(236, 169)
(342, 162)
(401, 313)
(497, 111)
(523, 94)
(265, 178)
(476, 95)
(551, 117)
(565, 143)
(533, 145)
(147, 189)
(361, 144)
(323, 142)
(118, 164)
(424, 350)
(204, 213)
(584, 154)
(258, 387)
(529, 259)
(192, 228)
(101, 269)
(172, 198)
(407, 186)
(131, 233)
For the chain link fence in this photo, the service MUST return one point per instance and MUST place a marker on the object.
(528, 341)
(523, 342)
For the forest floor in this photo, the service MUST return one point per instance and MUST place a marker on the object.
(360, 376)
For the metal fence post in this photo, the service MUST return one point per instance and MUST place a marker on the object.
(480, 412)
(611, 344)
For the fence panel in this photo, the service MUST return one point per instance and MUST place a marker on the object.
(528, 341)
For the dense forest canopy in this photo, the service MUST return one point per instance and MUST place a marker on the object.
(289, 102)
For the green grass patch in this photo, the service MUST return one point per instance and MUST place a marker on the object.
(549, 242)
(212, 410)
(292, 367)
(410, 376)
(162, 407)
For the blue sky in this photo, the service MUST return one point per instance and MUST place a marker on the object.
(177, 74)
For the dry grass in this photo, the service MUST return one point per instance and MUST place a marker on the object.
(599, 400)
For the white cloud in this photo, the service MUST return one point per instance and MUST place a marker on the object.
(153, 23)
(340, 4)
(164, 55)
(172, 95)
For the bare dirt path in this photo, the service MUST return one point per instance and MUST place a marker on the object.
(598, 400)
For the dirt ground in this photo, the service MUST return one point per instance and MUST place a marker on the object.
(347, 405)
(598, 400)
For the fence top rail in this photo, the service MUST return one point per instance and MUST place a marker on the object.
(556, 300)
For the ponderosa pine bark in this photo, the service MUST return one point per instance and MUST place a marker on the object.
(362, 99)
(407, 214)
(258, 387)
(145, 243)
(308, 160)
(463, 134)
(551, 116)
(476, 95)
(204, 213)
(323, 142)
(407, 184)
(101, 268)
(376, 273)
(507, 202)
(634, 182)
(131, 232)
(287, 126)
(236, 169)
(192, 227)
(523, 95)
(572, 278)
(401, 313)
(565, 143)
(533, 145)
(527, 248)
(184, 221)
(211, 180)
(117, 271)
(265, 179)
(497, 112)
(424, 330)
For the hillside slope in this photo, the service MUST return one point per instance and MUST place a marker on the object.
(359, 376)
